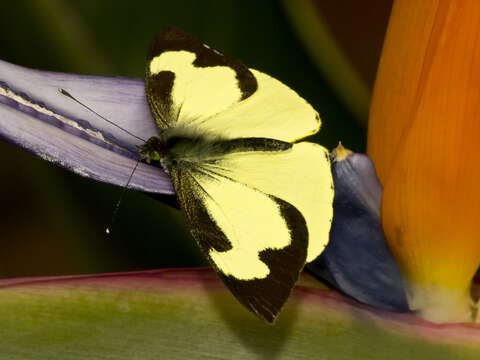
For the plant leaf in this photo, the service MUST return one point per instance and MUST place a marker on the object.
(189, 314)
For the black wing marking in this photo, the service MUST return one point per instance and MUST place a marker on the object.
(159, 86)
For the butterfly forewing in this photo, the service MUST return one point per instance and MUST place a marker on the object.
(256, 242)
(193, 86)
(188, 81)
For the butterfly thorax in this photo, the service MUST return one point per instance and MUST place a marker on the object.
(171, 149)
(167, 151)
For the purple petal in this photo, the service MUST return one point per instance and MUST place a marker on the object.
(35, 116)
(358, 260)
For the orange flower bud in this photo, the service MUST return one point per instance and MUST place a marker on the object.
(423, 136)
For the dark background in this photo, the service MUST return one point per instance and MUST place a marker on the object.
(51, 221)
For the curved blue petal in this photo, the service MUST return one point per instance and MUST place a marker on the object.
(357, 259)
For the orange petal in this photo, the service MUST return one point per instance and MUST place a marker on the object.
(423, 135)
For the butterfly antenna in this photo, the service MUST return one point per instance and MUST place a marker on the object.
(117, 205)
(67, 94)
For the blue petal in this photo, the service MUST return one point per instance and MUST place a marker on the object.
(357, 259)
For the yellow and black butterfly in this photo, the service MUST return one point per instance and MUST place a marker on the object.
(257, 201)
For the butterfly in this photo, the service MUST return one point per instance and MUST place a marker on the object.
(258, 202)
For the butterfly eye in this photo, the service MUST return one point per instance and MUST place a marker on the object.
(154, 155)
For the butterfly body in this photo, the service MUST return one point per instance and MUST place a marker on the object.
(177, 149)
(258, 203)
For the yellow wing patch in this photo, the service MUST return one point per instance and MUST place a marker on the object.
(198, 92)
(250, 220)
(273, 111)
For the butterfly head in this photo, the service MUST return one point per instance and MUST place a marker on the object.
(154, 151)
